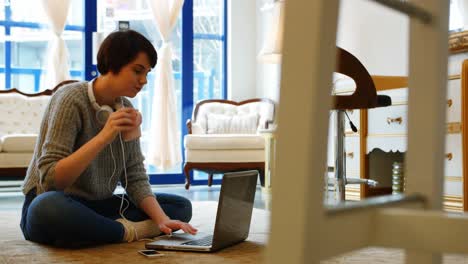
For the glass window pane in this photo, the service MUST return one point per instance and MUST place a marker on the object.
(208, 17)
(75, 13)
(2, 81)
(74, 42)
(2, 9)
(110, 12)
(27, 11)
(207, 76)
(32, 11)
(23, 82)
(2, 48)
(28, 47)
(140, 18)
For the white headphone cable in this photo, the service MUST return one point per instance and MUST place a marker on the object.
(122, 209)
(108, 186)
(126, 180)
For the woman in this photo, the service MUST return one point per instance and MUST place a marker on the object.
(86, 146)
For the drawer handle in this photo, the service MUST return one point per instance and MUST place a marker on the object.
(449, 102)
(350, 155)
(394, 120)
(449, 156)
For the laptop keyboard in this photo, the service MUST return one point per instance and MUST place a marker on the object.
(205, 241)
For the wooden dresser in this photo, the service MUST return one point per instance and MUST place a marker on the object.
(381, 136)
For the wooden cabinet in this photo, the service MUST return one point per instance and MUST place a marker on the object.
(381, 139)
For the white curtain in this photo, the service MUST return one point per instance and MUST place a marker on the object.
(164, 151)
(57, 68)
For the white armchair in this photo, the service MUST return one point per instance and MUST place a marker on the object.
(223, 137)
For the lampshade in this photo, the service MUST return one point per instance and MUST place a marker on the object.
(463, 9)
(273, 43)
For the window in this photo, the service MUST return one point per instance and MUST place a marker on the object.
(208, 57)
(208, 41)
(24, 39)
(23, 46)
(139, 17)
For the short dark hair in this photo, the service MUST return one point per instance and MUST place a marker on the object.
(120, 48)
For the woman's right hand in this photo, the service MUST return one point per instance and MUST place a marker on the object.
(122, 120)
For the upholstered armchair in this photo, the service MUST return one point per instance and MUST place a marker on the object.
(223, 136)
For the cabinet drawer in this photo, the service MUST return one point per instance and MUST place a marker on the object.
(453, 101)
(391, 120)
(453, 165)
(352, 149)
(387, 143)
(453, 188)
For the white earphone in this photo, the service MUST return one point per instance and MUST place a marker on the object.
(102, 111)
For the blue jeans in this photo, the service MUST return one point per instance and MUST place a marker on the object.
(63, 220)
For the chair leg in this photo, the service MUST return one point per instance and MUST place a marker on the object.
(210, 179)
(187, 176)
(261, 174)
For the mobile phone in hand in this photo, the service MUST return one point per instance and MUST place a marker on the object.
(150, 253)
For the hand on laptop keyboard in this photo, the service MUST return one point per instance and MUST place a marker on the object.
(169, 225)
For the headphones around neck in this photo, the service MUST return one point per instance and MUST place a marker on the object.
(102, 111)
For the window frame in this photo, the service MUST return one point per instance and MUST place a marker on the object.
(89, 70)
(188, 38)
(8, 70)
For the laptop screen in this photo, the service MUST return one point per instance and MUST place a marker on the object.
(235, 208)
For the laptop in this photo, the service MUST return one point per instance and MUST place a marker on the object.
(233, 217)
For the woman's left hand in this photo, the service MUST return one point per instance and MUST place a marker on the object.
(169, 225)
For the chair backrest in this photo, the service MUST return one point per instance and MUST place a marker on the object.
(22, 111)
(217, 116)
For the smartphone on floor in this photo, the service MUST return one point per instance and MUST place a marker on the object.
(150, 253)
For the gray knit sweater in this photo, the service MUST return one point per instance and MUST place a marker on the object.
(69, 122)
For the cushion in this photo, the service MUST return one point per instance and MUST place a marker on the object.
(18, 142)
(15, 160)
(232, 156)
(264, 109)
(232, 124)
(21, 114)
(226, 141)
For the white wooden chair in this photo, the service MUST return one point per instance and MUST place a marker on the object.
(303, 230)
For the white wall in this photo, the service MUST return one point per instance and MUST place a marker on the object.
(242, 42)
(376, 35)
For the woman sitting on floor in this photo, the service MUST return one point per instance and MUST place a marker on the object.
(88, 144)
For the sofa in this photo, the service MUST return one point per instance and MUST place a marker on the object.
(225, 136)
(19, 125)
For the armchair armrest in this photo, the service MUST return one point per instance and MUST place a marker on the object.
(194, 127)
(269, 124)
(189, 126)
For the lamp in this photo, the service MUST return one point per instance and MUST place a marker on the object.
(273, 44)
(463, 9)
